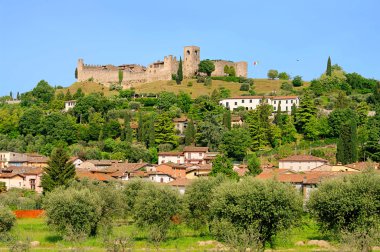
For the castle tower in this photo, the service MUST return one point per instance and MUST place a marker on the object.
(191, 60)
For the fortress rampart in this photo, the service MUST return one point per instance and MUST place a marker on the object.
(159, 70)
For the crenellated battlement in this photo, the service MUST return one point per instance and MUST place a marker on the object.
(158, 70)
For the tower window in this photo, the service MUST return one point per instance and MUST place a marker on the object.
(188, 52)
(196, 52)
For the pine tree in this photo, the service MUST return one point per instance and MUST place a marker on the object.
(189, 133)
(227, 119)
(328, 68)
(254, 166)
(305, 112)
(179, 76)
(288, 131)
(164, 130)
(59, 172)
(347, 147)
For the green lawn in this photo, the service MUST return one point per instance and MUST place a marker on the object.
(188, 240)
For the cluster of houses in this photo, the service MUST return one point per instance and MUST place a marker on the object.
(177, 169)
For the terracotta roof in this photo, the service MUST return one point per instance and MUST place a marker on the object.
(203, 167)
(33, 158)
(235, 118)
(180, 182)
(168, 153)
(241, 171)
(283, 97)
(195, 149)
(263, 97)
(10, 175)
(303, 158)
(363, 165)
(94, 176)
(140, 174)
(27, 170)
(181, 119)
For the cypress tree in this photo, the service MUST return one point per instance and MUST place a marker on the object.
(140, 128)
(278, 117)
(328, 69)
(59, 172)
(128, 129)
(120, 75)
(179, 72)
(227, 119)
(189, 133)
(347, 147)
(76, 73)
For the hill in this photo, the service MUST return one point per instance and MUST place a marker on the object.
(262, 87)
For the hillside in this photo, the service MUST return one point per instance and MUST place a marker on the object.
(262, 86)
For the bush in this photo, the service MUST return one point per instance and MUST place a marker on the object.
(244, 87)
(286, 86)
(7, 219)
(190, 84)
(297, 81)
(21, 199)
(174, 76)
(201, 79)
(208, 82)
(134, 105)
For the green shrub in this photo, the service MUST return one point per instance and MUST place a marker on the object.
(286, 86)
(21, 199)
(297, 81)
(244, 87)
(190, 84)
(208, 82)
(134, 105)
(174, 76)
(7, 219)
(201, 79)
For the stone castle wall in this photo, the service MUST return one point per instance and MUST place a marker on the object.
(160, 70)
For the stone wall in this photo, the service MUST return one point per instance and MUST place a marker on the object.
(240, 67)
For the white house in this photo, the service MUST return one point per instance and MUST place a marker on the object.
(301, 163)
(180, 124)
(160, 177)
(251, 102)
(171, 157)
(69, 105)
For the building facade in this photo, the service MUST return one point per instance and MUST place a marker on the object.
(284, 103)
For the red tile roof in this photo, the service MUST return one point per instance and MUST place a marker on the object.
(363, 165)
(181, 119)
(94, 176)
(180, 182)
(195, 149)
(10, 175)
(303, 158)
(170, 153)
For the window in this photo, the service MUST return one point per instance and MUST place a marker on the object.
(33, 184)
(242, 101)
(227, 104)
(188, 52)
(286, 101)
(161, 180)
(200, 154)
(250, 101)
(291, 101)
(235, 103)
(274, 107)
(274, 102)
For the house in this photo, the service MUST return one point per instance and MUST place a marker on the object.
(174, 170)
(36, 160)
(300, 163)
(160, 177)
(171, 157)
(12, 180)
(180, 124)
(76, 161)
(69, 105)
(196, 171)
(195, 155)
(32, 176)
(8, 158)
(124, 171)
(285, 103)
(93, 175)
(236, 121)
(180, 184)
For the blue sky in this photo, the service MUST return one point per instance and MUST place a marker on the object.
(43, 39)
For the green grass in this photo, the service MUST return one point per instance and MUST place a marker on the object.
(187, 240)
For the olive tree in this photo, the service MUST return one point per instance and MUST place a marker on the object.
(349, 206)
(251, 212)
(7, 219)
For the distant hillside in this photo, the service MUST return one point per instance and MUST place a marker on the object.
(262, 86)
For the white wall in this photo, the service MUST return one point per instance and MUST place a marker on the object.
(163, 159)
(157, 178)
(300, 166)
(251, 103)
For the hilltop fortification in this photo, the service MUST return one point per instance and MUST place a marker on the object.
(159, 70)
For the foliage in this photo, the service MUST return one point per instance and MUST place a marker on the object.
(206, 66)
(229, 70)
(154, 208)
(30, 121)
(126, 93)
(120, 76)
(348, 204)
(272, 74)
(179, 76)
(165, 100)
(244, 87)
(286, 86)
(347, 147)
(254, 165)
(184, 101)
(164, 130)
(235, 143)
(7, 219)
(268, 207)
(209, 132)
(208, 82)
(328, 68)
(190, 133)
(259, 126)
(297, 81)
(20, 199)
(305, 112)
(283, 76)
(338, 117)
(223, 165)
(227, 119)
(59, 172)
(197, 200)
(43, 92)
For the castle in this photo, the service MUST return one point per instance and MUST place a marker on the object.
(160, 70)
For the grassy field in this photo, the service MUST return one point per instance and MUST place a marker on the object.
(37, 230)
(262, 86)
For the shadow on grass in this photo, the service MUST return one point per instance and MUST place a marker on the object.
(53, 238)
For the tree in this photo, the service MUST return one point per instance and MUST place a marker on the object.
(206, 66)
(227, 119)
(209, 132)
(76, 73)
(338, 117)
(59, 172)
(68, 95)
(223, 165)
(316, 127)
(127, 128)
(78, 94)
(272, 74)
(347, 147)
(184, 101)
(43, 92)
(259, 126)
(305, 112)
(179, 76)
(328, 68)
(120, 76)
(30, 121)
(140, 128)
(7, 219)
(288, 131)
(349, 205)
(190, 133)
(235, 143)
(197, 200)
(154, 209)
(297, 81)
(255, 209)
(254, 165)
(229, 70)
(164, 130)
(283, 76)
(166, 100)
